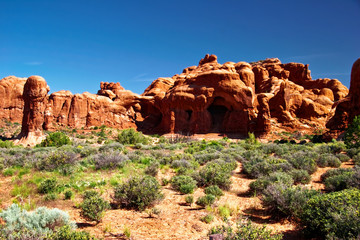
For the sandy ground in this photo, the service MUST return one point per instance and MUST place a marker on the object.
(176, 220)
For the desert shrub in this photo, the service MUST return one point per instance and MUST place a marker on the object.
(341, 179)
(131, 136)
(183, 184)
(342, 157)
(300, 176)
(47, 186)
(303, 160)
(356, 159)
(287, 200)
(41, 220)
(152, 169)
(113, 146)
(335, 215)
(217, 173)
(224, 211)
(256, 168)
(182, 163)
(61, 160)
(245, 230)
(328, 160)
(56, 139)
(206, 156)
(8, 172)
(68, 194)
(50, 197)
(214, 190)
(138, 192)
(352, 134)
(208, 218)
(262, 183)
(109, 160)
(189, 199)
(93, 206)
(206, 200)
(67, 233)
(6, 144)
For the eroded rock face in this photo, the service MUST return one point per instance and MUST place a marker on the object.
(347, 108)
(240, 97)
(35, 99)
(11, 95)
(211, 97)
(113, 106)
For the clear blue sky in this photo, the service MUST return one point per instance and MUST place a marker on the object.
(76, 44)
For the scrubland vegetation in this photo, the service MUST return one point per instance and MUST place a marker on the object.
(104, 170)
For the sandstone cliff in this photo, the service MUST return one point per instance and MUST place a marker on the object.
(240, 97)
(211, 97)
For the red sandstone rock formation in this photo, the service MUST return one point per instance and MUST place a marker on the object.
(12, 103)
(240, 97)
(349, 107)
(34, 95)
(211, 97)
(112, 106)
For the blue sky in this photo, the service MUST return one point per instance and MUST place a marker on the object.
(77, 44)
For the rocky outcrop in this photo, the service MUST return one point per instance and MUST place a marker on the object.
(113, 106)
(211, 97)
(240, 97)
(35, 99)
(11, 95)
(347, 108)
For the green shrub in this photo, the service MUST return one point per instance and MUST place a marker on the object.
(47, 186)
(303, 160)
(224, 212)
(68, 194)
(56, 139)
(189, 199)
(138, 192)
(217, 173)
(214, 190)
(287, 200)
(93, 207)
(67, 233)
(50, 197)
(109, 160)
(356, 159)
(152, 169)
(262, 183)
(335, 215)
(208, 218)
(263, 166)
(64, 161)
(352, 134)
(342, 157)
(183, 184)
(245, 230)
(328, 160)
(41, 220)
(8, 172)
(206, 200)
(131, 136)
(6, 144)
(339, 180)
(300, 176)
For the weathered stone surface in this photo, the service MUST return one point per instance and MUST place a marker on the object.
(211, 97)
(35, 99)
(239, 97)
(347, 108)
(12, 103)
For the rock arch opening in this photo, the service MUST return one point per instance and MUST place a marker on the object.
(217, 111)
